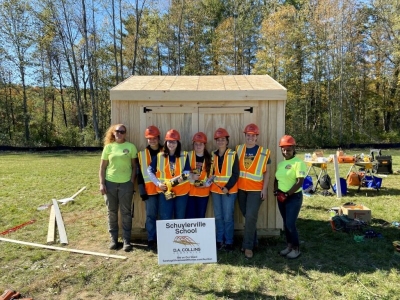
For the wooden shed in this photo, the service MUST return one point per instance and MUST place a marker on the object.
(203, 103)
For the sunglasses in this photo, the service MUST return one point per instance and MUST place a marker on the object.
(120, 131)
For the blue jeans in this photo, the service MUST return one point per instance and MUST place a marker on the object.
(196, 207)
(174, 208)
(151, 217)
(224, 206)
(119, 196)
(290, 210)
(249, 204)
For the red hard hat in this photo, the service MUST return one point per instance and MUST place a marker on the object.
(200, 137)
(220, 132)
(252, 129)
(287, 140)
(151, 132)
(172, 135)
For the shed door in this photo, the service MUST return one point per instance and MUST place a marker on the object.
(181, 118)
(233, 119)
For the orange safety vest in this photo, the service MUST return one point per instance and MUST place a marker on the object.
(164, 173)
(144, 161)
(252, 179)
(194, 190)
(222, 177)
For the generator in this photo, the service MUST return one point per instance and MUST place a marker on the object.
(384, 165)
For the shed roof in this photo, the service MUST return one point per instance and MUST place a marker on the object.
(195, 88)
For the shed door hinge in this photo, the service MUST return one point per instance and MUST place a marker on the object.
(145, 109)
(249, 110)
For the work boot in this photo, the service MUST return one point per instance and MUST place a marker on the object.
(220, 245)
(113, 244)
(127, 247)
(151, 245)
(229, 247)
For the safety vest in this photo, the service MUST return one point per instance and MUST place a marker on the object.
(194, 190)
(144, 161)
(252, 179)
(222, 177)
(164, 173)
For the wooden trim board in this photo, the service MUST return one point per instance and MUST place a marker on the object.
(51, 233)
(60, 224)
(62, 249)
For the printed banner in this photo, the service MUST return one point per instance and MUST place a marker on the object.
(189, 241)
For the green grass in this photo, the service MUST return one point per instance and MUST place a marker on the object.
(332, 265)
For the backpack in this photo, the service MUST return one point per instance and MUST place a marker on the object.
(325, 182)
(307, 184)
(353, 179)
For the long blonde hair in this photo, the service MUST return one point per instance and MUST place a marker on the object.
(109, 137)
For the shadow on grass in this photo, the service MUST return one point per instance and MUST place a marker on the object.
(241, 294)
(324, 250)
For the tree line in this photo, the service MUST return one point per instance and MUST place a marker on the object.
(338, 59)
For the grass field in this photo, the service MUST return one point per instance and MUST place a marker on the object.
(332, 264)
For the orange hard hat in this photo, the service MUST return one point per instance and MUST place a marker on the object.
(287, 140)
(252, 129)
(172, 135)
(151, 132)
(220, 132)
(200, 137)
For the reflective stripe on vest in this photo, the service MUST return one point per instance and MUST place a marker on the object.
(252, 179)
(222, 177)
(144, 161)
(194, 190)
(164, 173)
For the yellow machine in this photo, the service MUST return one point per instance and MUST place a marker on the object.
(169, 194)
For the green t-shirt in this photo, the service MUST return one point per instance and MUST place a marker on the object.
(288, 171)
(119, 156)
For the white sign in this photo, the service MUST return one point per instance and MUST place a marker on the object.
(186, 241)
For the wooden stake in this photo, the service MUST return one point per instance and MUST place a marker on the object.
(51, 233)
(337, 177)
(78, 192)
(62, 249)
(60, 224)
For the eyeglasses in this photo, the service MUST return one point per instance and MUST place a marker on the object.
(120, 131)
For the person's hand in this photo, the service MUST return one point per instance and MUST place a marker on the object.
(224, 190)
(103, 189)
(281, 196)
(263, 194)
(195, 176)
(162, 186)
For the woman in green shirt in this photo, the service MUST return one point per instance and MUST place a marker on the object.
(288, 184)
(117, 174)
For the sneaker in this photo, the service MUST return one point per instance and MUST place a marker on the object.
(113, 245)
(293, 254)
(127, 247)
(248, 253)
(285, 251)
(229, 247)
